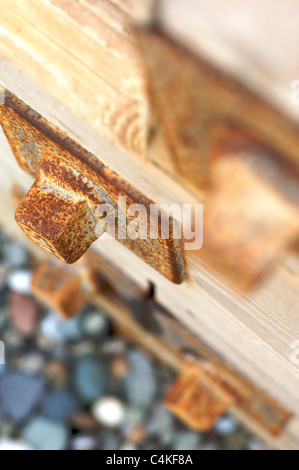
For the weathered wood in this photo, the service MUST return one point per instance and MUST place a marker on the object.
(84, 51)
(253, 331)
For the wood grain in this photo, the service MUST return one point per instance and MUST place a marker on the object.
(85, 51)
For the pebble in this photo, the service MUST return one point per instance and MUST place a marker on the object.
(10, 444)
(90, 378)
(84, 442)
(133, 416)
(186, 440)
(23, 313)
(59, 405)
(12, 339)
(128, 446)
(45, 434)
(140, 383)
(254, 445)
(59, 330)
(208, 446)
(114, 346)
(94, 324)
(19, 395)
(226, 425)
(110, 441)
(160, 423)
(15, 255)
(32, 363)
(109, 411)
(3, 317)
(19, 281)
(3, 275)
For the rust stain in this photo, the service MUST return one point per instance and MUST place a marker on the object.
(59, 211)
(61, 287)
(254, 402)
(213, 113)
(197, 398)
(215, 116)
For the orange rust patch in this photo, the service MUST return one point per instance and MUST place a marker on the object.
(59, 211)
(197, 398)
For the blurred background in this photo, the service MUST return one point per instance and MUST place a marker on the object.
(79, 384)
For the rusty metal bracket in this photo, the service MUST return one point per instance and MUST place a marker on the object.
(59, 212)
(206, 386)
(252, 203)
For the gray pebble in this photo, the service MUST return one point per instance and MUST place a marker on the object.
(45, 434)
(90, 378)
(141, 382)
(19, 395)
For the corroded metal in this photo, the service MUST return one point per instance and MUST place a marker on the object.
(197, 398)
(252, 208)
(65, 289)
(214, 113)
(59, 211)
(206, 386)
(250, 399)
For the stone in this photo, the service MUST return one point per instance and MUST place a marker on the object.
(3, 316)
(20, 394)
(59, 330)
(140, 383)
(10, 444)
(59, 405)
(93, 323)
(255, 444)
(225, 425)
(160, 424)
(15, 255)
(114, 346)
(208, 446)
(23, 313)
(128, 446)
(90, 377)
(186, 440)
(84, 442)
(12, 339)
(134, 416)
(19, 281)
(45, 434)
(110, 441)
(109, 411)
(32, 363)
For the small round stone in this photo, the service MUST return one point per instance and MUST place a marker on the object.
(15, 255)
(20, 281)
(225, 425)
(128, 446)
(93, 323)
(109, 411)
(84, 442)
(90, 377)
(45, 434)
(31, 363)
